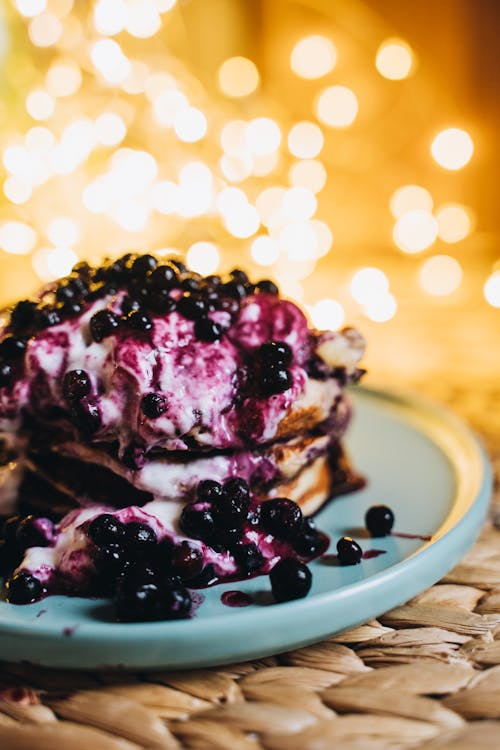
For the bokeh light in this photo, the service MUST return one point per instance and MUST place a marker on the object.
(30, 8)
(409, 198)
(415, 231)
(395, 59)
(238, 77)
(381, 309)
(190, 124)
(440, 275)
(492, 289)
(45, 30)
(40, 105)
(63, 231)
(299, 203)
(454, 222)
(264, 250)
(313, 57)
(305, 140)
(308, 173)
(337, 106)
(298, 240)
(327, 314)
(203, 257)
(262, 136)
(452, 148)
(369, 284)
(17, 238)
(63, 78)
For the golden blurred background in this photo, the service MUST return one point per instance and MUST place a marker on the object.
(345, 148)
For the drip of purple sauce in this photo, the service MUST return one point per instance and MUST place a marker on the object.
(369, 553)
(402, 535)
(236, 599)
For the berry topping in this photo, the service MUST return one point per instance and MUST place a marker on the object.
(86, 416)
(178, 264)
(139, 539)
(139, 321)
(248, 558)
(379, 520)
(186, 560)
(47, 316)
(71, 309)
(148, 601)
(192, 307)
(12, 347)
(76, 385)
(197, 521)
(110, 562)
(275, 379)
(23, 315)
(235, 289)
(153, 405)
(290, 579)
(129, 304)
(309, 541)
(208, 489)
(267, 287)
(6, 373)
(143, 265)
(281, 517)
(230, 511)
(163, 277)
(208, 330)
(24, 588)
(103, 324)
(213, 281)
(237, 488)
(276, 353)
(105, 529)
(190, 284)
(161, 302)
(348, 551)
(34, 532)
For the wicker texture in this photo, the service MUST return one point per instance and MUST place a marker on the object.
(426, 675)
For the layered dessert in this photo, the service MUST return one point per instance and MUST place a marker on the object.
(164, 429)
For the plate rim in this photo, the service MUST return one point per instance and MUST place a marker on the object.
(107, 633)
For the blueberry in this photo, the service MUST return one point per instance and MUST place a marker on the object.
(275, 380)
(275, 354)
(162, 278)
(235, 289)
(161, 302)
(209, 489)
(227, 537)
(116, 271)
(47, 316)
(34, 532)
(379, 520)
(148, 601)
(237, 488)
(348, 551)
(82, 269)
(281, 517)
(309, 541)
(197, 522)
(192, 307)
(208, 330)
(105, 529)
(139, 540)
(71, 309)
(12, 348)
(110, 562)
(143, 265)
(238, 275)
(103, 324)
(23, 315)
(24, 588)
(190, 284)
(153, 405)
(228, 304)
(181, 268)
(248, 558)
(86, 416)
(66, 292)
(267, 287)
(186, 560)
(133, 456)
(230, 510)
(128, 304)
(6, 373)
(213, 281)
(139, 320)
(290, 579)
(207, 577)
(76, 385)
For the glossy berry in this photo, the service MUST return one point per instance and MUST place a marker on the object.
(290, 579)
(66, 292)
(186, 560)
(12, 348)
(71, 309)
(248, 558)
(143, 265)
(197, 521)
(190, 284)
(34, 532)
(379, 520)
(235, 289)
(105, 529)
(177, 602)
(47, 316)
(148, 601)
(161, 302)
(230, 512)
(236, 488)
(110, 562)
(139, 321)
(139, 540)
(103, 324)
(238, 275)
(76, 385)
(275, 380)
(23, 315)
(129, 304)
(228, 304)
(213, 281)
(275, 353)
(192, 307)
(208, 330)
(309, 541)
(267, 287)
(163, 277)
(24, 588)
(153, 405)
(86, 416)
(209, 489)
(348, 551)
(6, 373)
(178, 264)
(281, 517)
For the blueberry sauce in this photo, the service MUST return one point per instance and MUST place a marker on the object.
(369, 553)
(236, 599)
(402, 535)
(70, 630)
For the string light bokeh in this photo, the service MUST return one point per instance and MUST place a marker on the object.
(325, 162)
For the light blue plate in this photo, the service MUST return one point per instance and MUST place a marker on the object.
(419, 459)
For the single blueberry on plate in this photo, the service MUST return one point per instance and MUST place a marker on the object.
(24, 588)
(379, 520)
(290, 579)
(348, 551)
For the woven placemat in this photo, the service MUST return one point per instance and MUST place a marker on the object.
(426, 675)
